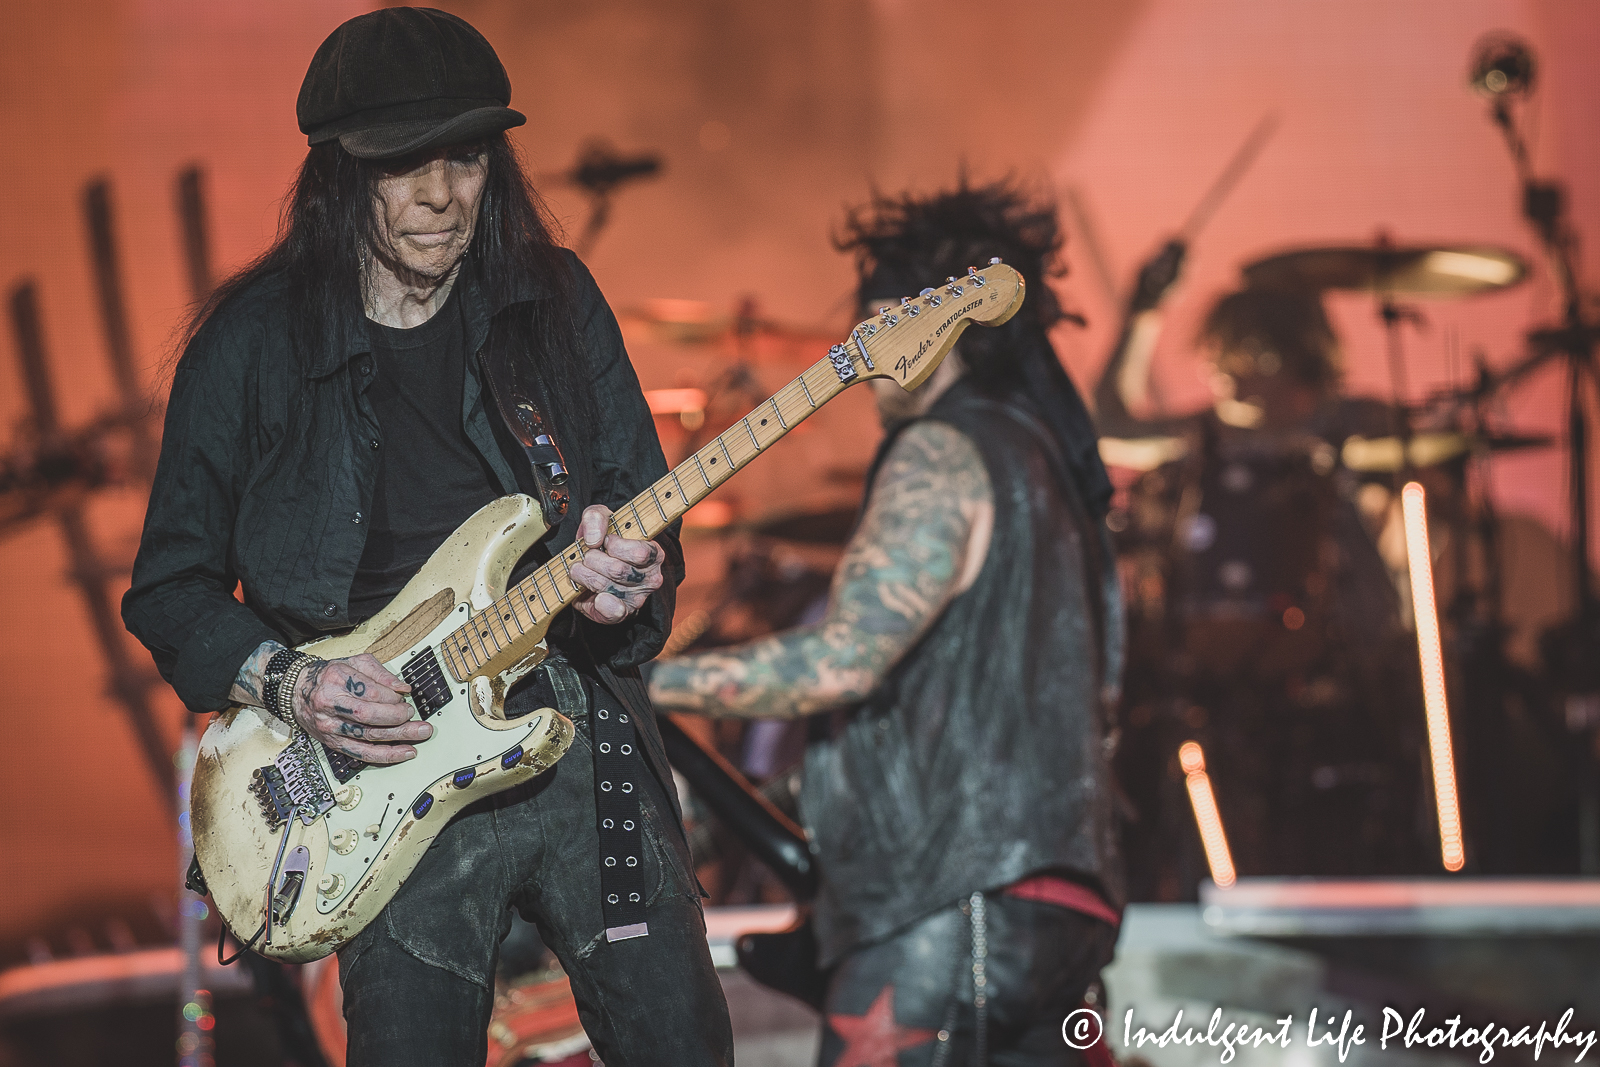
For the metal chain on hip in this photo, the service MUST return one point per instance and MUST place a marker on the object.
(976, 908)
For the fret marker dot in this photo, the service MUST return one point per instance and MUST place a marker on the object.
(713, 461)
(629, 526)
(669, 494)
(763, 422)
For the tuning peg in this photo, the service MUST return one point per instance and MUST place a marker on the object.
(908, 307)
(950, 284)
(974, 277)
(994, 261)
(931, 297)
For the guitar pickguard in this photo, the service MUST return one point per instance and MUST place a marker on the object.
(386, 802)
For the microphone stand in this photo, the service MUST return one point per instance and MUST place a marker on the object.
(1572, 649)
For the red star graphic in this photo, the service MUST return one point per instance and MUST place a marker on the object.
(873, 1039)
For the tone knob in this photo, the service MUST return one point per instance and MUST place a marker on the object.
(343, 841)
(347, 796)
(331, 885)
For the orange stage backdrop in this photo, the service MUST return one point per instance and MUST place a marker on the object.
(770, 118)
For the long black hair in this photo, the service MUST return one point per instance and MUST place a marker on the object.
(328, 222)
(903, 243)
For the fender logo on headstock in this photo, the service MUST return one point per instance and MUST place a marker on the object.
(906, 364)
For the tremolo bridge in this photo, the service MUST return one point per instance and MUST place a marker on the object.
(292, 784)
(295, 778)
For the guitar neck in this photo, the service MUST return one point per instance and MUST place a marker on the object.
(521, 617)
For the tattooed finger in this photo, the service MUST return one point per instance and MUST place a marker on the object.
(354, 687)
(352, 729)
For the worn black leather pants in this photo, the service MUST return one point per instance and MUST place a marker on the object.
(914, 992)
(418, 982)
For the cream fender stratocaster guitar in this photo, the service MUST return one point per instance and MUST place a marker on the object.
(327, 839)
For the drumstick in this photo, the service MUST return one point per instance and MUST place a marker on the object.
(1092, 244)
(1224, 184)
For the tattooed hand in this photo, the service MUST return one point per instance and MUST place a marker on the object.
(618, 572)
(354, 706)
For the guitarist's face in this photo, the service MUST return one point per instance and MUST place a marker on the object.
(427, 208)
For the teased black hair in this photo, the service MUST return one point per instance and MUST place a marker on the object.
(904, 243)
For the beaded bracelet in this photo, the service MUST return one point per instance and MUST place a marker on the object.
(284, 667)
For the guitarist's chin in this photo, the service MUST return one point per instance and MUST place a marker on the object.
(895, 405)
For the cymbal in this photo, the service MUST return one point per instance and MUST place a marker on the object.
(1458, 270)
(696, 322)
(1382, 455)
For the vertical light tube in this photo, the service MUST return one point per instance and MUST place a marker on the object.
(1206, 815)
(1414, 509)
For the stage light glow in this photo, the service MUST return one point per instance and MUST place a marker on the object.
(1206, 816)
(1414, 509)
(675, 401)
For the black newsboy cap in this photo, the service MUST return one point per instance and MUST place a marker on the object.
(401, 80)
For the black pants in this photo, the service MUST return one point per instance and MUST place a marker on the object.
(914, 992)
(418, 983)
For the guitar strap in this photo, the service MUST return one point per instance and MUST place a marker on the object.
(619, 767)
(513, 391)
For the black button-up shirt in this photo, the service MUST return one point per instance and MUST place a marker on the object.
(267, 472)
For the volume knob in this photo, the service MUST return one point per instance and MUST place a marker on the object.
(331, 885)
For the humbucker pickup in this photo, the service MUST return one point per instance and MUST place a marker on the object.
(429, 690)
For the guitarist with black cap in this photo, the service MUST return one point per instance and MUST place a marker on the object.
(413, 346)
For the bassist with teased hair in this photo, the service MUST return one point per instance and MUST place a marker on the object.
(961, 682)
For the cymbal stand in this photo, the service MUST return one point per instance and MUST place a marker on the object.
(1570, 649)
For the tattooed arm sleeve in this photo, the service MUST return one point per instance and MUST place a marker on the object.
(247, 686)
(930, 508)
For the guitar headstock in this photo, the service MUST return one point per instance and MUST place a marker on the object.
(905, 343)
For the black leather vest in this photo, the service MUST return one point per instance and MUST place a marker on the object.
(985, 755)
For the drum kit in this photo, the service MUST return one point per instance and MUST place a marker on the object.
(1268, 611)
(1264, 618)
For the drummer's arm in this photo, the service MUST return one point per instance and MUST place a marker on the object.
(922, 539)
(1124, 384)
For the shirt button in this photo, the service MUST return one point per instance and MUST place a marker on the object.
(374, 444)
(356, 518)
(331, 610)
(366, 366)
